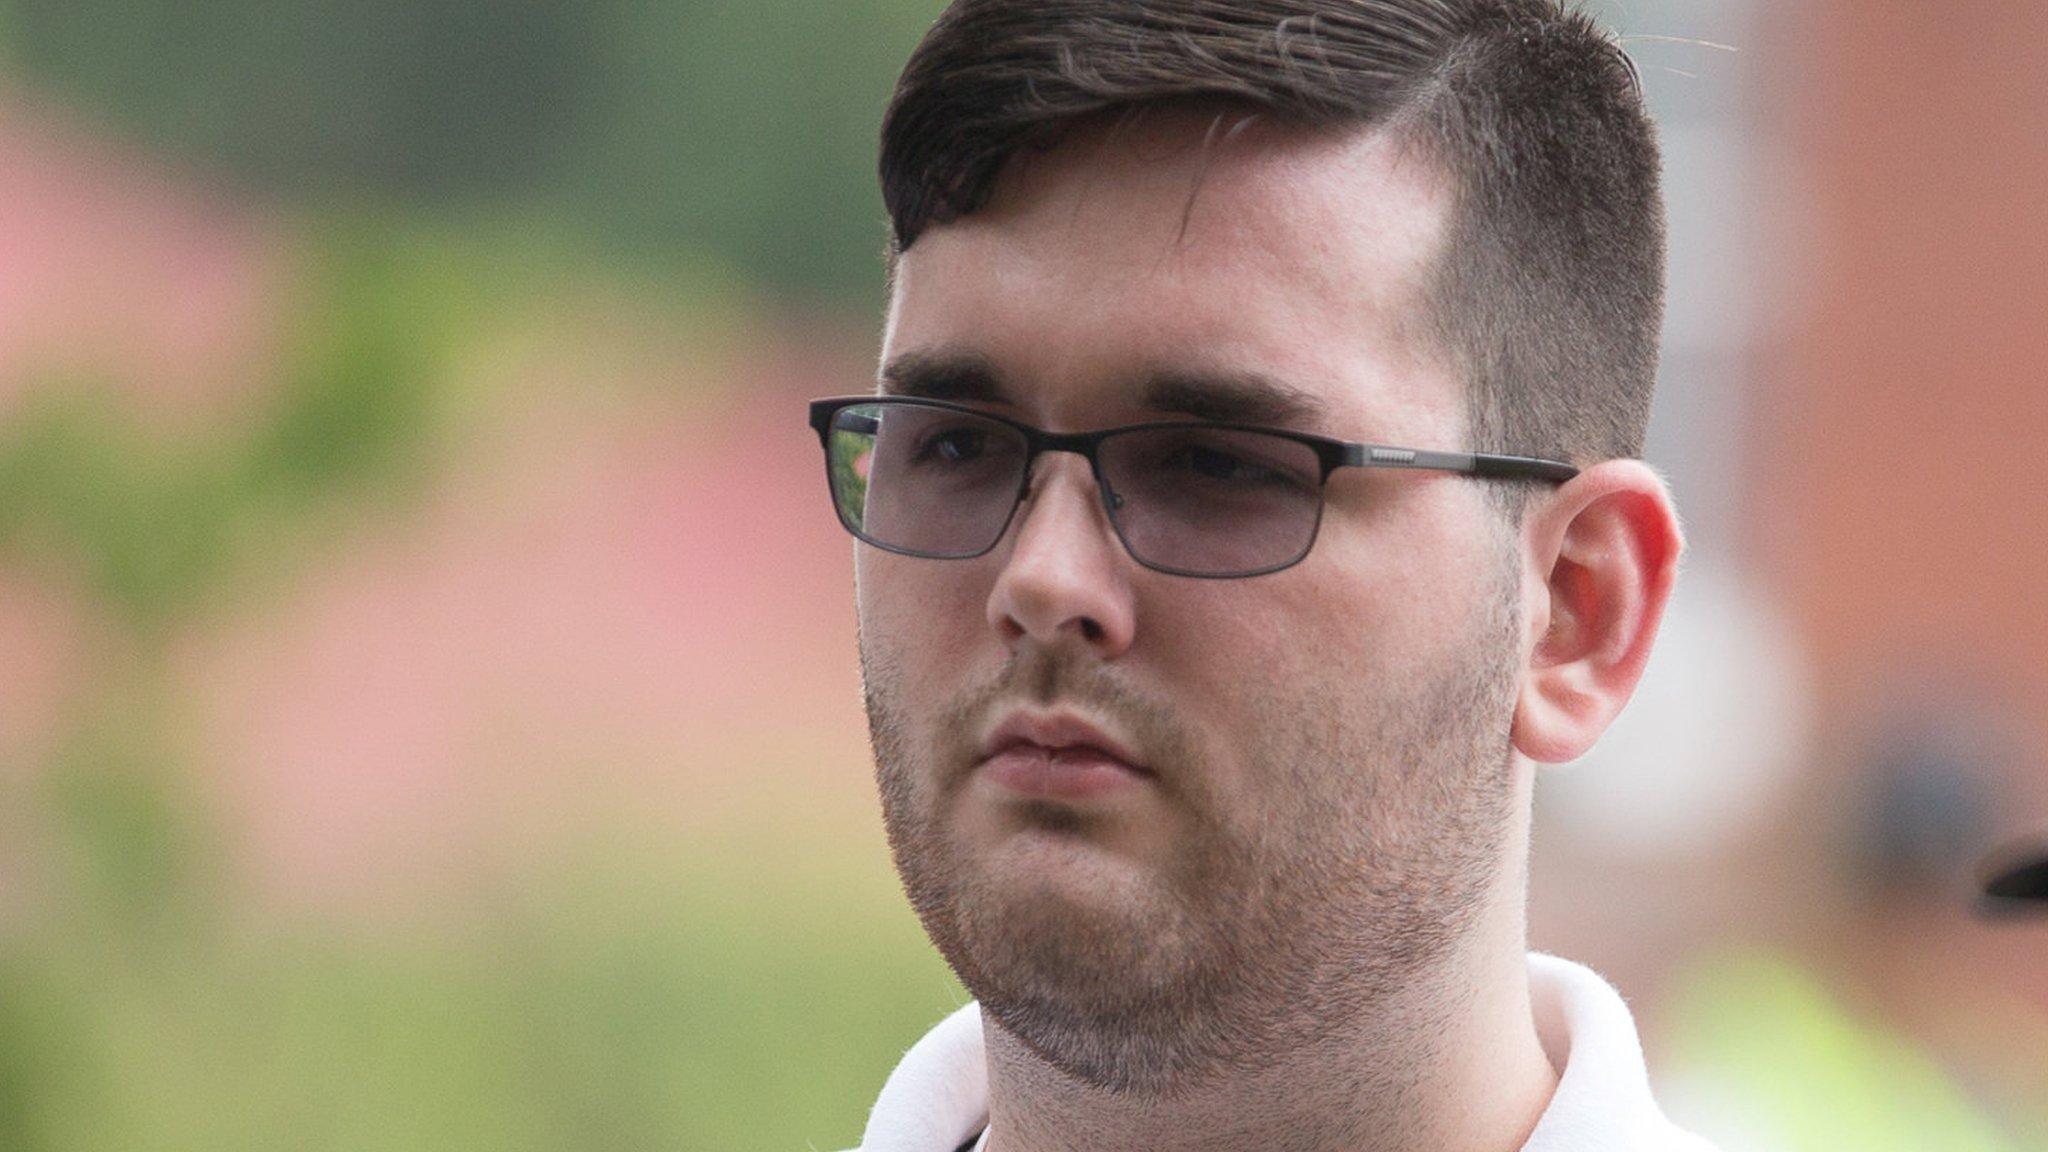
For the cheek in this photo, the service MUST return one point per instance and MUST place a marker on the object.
(1404, 580)
(1290, 667)
(1215, 642)
(1231, 659)
(924, 620)
(1279, 634)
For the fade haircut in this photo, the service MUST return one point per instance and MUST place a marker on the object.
(1548, 295)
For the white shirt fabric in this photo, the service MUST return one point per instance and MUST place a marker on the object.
(937, 1098)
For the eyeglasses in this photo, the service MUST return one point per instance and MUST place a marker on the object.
(1192, 498)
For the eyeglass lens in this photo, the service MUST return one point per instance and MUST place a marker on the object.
(1204, 501)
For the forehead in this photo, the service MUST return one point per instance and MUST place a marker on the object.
(1179, 247)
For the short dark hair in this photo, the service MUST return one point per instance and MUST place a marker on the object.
(1549, 293)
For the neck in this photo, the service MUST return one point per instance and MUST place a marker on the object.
(1454, 1063)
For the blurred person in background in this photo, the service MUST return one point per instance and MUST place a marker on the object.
(1871, 1035)
(2016, 879)
(1250, 505)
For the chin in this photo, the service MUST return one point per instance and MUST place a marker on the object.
(1075, 961)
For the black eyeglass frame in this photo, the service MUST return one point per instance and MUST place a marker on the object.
(1331, 453)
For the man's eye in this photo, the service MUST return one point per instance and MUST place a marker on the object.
(953, 446)
(1215, 465)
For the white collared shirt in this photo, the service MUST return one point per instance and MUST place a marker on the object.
(937, 1099)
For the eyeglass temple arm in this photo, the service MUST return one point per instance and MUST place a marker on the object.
(1469, 463)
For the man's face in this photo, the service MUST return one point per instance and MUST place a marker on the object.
(1328, 787)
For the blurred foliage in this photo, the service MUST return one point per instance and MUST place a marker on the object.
(734, 133)
(153, 528)
(382, 93)
(147, 524)
(587, 1014)
(145, 1004)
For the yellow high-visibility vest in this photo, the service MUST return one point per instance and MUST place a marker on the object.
(1761, 1058)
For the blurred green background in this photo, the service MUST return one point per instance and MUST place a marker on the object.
(448, 256)
(733, 139)
(428, 709)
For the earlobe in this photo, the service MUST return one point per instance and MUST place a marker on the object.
(1607, 546)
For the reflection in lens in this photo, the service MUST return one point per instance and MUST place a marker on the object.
(850, 460)
(1214, 501)
(924, 479)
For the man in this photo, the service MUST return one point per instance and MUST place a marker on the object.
(1249, 507)
(2016, 879)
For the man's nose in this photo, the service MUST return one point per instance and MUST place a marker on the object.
(1065, 575)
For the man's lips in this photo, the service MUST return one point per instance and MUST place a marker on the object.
(1058, 756)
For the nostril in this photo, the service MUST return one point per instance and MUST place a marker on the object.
(1090, 630)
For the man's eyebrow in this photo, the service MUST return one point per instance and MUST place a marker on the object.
(1222, 396)
(1233, 397)
(944, 376)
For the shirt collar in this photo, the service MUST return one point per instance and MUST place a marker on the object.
(937, 1098)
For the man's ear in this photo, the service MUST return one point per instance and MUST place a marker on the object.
(1600, 556)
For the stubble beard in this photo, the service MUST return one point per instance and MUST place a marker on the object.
(1267, 933)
